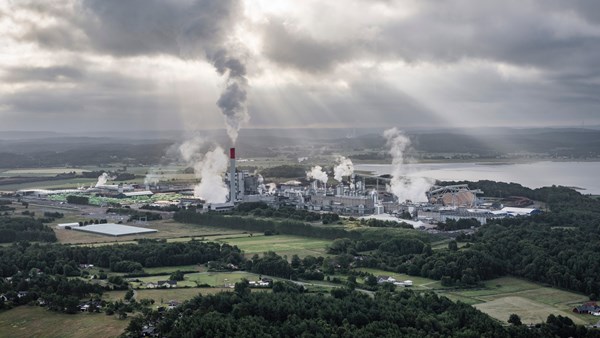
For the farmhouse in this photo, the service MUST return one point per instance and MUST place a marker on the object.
(385, 279)
(167, 284)
(588, 308)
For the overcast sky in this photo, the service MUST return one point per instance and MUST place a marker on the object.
(158, 64)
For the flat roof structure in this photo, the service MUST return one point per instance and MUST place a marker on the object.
(112, 229)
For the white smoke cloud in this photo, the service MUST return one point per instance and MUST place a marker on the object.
(103, 179)
(403, 187)
(212, 187)
(152, 178)
(272, 188)
(302, 159)
(345, 167)
(209, 168)
(317, 173)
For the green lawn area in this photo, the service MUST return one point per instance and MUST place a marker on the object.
(532, 302)
(281, 244)
(216, 279)
(34, 321)
(162, 296)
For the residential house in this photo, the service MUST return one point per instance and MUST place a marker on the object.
(588, 308)
(167, 284)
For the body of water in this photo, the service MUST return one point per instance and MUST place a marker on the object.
(583, 175)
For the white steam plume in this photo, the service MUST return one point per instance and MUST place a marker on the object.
(345, 167)
(103, 179)
(272, 188)
(209, 168)
(318, 174)
(152, 177)
(403, 187)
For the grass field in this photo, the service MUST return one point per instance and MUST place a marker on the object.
(282, 244)
(216, 279)
(33, 321)
(532, 302)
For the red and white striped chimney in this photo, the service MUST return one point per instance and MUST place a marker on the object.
(232, 178)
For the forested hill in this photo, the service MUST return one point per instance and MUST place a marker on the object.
(287, 312)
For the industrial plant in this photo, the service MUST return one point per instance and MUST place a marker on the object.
(342, 191)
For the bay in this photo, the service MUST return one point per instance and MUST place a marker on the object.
(581, 175)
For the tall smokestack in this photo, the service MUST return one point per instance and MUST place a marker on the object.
(232, 180)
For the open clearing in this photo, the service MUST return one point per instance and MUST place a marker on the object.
(281, 244)
(216, 279)
(532, 302)
(163, 296)
(530, 311)
(34, 321)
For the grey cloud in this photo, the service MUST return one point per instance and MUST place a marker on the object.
(47, 74)
(302, 51)
(140, 27)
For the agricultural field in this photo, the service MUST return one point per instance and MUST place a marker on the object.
(41, 172)
(281, 244)
(34, 321)
(532, 302)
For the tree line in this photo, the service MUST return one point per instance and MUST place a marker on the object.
(262, 225)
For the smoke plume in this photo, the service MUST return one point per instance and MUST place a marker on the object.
(232, 101)
(103, 179)
(345, 167)
(209, 168)
(317, 173)
(403, 187)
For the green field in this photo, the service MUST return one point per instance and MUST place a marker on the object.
(33, 321)
(281, 244)
(216, 279)
(532, 302)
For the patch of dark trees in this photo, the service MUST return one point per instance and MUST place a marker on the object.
(75, 199)
(263, 225)
(289, 312)
(285, 171)
(261, 209)
(65, 260)
(13, 229)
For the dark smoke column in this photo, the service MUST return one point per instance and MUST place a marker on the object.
(232, 101)
(232, 179)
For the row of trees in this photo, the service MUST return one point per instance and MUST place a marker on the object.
(261, 209)
(260, 225)
(65, 260)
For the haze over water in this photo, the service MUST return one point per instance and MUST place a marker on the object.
(533, 175)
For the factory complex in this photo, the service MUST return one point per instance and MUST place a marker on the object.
(354, 194)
